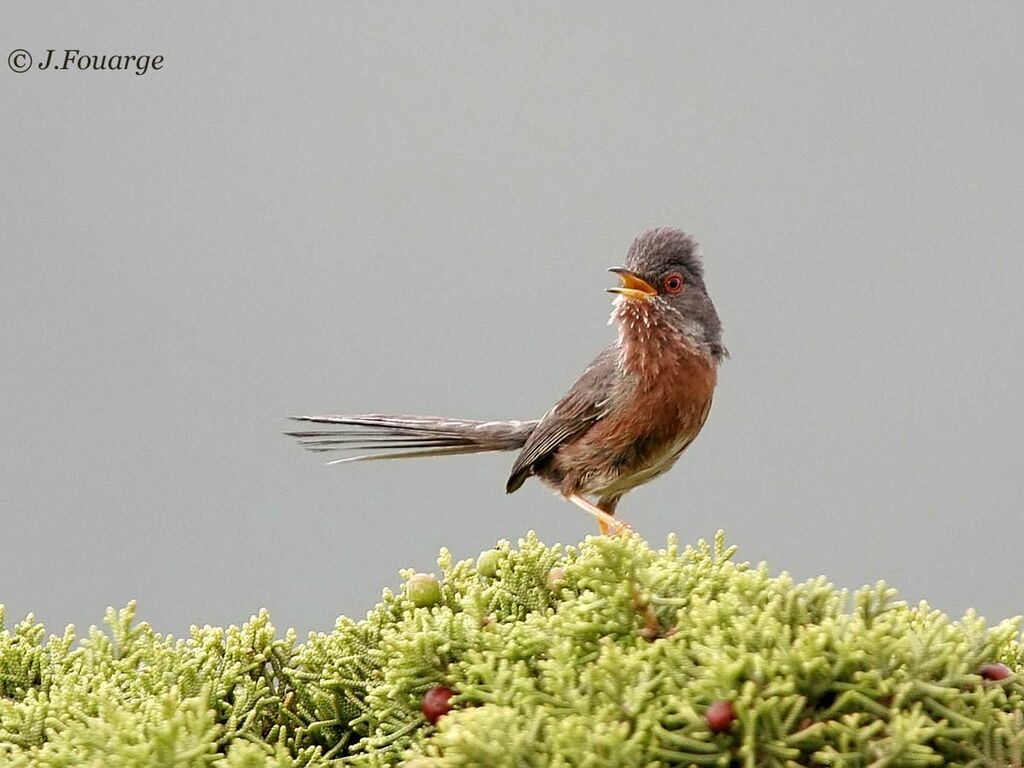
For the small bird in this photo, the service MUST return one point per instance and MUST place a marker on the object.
(626, 420)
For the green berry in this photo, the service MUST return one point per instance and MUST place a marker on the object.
(424, 590)
(487, 563)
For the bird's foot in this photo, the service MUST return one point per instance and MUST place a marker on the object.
(615, 528)
(606, 522)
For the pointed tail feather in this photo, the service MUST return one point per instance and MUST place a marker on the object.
(397, 437)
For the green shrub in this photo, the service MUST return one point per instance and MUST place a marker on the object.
(606, 654)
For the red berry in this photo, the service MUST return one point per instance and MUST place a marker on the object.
(995, 672)
(720, 716)
(435, 703)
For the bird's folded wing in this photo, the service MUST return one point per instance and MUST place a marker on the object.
(574, 414)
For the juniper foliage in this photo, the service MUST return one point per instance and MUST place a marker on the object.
(606, 654)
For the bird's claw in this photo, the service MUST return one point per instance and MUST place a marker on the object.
(615, 528)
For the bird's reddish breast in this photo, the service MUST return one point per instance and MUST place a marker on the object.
(664, 401)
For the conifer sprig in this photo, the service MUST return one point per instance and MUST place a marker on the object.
(607, 654)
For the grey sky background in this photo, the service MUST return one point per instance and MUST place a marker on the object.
(356, 207)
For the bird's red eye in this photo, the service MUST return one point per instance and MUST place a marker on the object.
(673, 283)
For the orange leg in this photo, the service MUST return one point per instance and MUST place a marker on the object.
(606, 522)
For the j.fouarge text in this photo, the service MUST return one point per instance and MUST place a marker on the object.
(73, 58)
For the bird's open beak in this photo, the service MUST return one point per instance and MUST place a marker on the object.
(633, 287)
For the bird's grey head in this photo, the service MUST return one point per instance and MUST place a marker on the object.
(663, 266)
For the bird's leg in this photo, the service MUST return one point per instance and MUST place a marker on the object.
(608, 504)
(605, 521)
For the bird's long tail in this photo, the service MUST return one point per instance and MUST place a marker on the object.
(386, 436)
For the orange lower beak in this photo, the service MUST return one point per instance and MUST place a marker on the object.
(633, 286)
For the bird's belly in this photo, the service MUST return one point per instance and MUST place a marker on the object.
(657, 464)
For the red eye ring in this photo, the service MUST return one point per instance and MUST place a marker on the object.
(673, 283)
